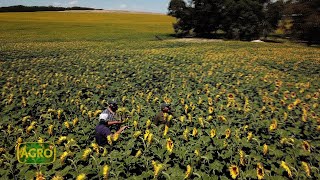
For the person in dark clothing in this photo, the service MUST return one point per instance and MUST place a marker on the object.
(106, 120)
(109, 114)
(159, 118)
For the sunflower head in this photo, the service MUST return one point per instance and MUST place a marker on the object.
(234, 171)
(188, 172)
(265, 149)
(212, 133)
(170, 145)
(306, 168)
(260, 171)
(306, 146)
(194, 132)
(228, 133)
(105, 171)
(286, 167)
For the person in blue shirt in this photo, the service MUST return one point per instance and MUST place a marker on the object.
(107, 119)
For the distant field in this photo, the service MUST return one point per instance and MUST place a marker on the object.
(242, 110)
(66, 26)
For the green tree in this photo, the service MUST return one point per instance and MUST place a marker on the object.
(306, 20)
(179, 10)
(240, 19)
(207, 16)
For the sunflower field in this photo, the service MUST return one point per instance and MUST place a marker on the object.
(241, 110)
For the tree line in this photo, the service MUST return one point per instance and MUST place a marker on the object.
(247, 19)
(21, 8)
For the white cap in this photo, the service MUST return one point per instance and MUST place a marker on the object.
(103, 116)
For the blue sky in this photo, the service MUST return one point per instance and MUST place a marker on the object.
(159, 6)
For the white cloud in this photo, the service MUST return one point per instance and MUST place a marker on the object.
(72, 3)
(123, 6)
(57, 4)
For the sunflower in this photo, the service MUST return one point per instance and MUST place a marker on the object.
(135, 124)
(234, 171)
(200, 119)
(249, 137)
(286, 167)
(210, 102)
(273, 125)
(81, 176)
(296, 102)
(188, 172)
(59, 113)
(138, 153)
(50, 130)
(211, 109)
(67, 125)
(189, 117)
(156, 168)
(62, 139)
(170, 145)
(197, 152)
(285, 116)
(185, 134)
(304, 115)
(40, 176)
(137, 134)
(242, 157)
(228, 133)
(166, 129)
(306, 146)
(194, 132)
(115, 136)
(265, 149)
(148, 123)
(150, 138)
(75, 121)
(105, 171)
(230, 96)
(306, 168)
(260, 171)
(57, 177)
(146, 134)
(222, 118)
(200, 101)
(278, 83)
(186, 107)
(182, 101)
(109, 139)
(86, 153)
(212, 133)
(64, 156)
(290, 107)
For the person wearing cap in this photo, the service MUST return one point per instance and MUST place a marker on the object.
(109, 114)
(159, 118)
(106, 119)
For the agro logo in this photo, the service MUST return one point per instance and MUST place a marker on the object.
(36, 153)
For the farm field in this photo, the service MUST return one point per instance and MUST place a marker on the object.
(242, 110)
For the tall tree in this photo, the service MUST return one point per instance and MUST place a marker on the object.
(207, 16)
(183, 14)
(306, 19)
(243, 19)
(240, 19)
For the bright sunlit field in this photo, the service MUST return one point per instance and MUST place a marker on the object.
(242, 110)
